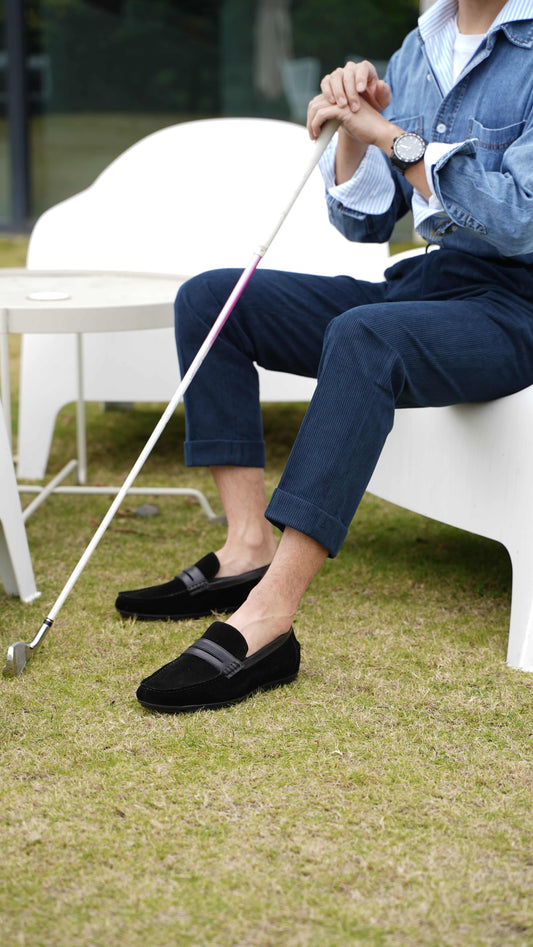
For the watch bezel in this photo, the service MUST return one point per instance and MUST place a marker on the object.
(403, 163)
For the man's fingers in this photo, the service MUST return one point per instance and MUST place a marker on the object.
(379, 96)
(349, 78)
(348, 86)
(319, 111)
(345, 85)
(327, 90)
(383, 94)
(366, 75)
(334, 88)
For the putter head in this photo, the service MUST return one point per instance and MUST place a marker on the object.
(17, 657)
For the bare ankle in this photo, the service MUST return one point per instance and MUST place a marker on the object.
(262, 618)
(238, 557)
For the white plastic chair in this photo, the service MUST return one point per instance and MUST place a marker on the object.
(470, 466)
(16, 570)
(187, 198)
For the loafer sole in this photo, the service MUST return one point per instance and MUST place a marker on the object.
(220, 704)
(206, 613)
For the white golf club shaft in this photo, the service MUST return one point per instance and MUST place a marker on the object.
(316, 152)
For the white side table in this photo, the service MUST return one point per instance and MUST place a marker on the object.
(79, 302)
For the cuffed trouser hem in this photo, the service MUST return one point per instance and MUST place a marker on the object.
(225, 453)
(285, 509)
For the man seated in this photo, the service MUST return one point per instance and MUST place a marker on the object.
(449, 133)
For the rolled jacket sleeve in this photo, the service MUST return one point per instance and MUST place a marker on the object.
(366, 207)
(496, 206)
(425, 209)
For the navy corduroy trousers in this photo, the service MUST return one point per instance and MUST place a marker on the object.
(442, 328)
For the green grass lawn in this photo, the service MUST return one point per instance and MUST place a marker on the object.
(13, 250)
(383, 799)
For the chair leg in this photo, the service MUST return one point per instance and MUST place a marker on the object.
(520, 647)
(42, 358)
(16, 570)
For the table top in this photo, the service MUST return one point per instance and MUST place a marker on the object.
(85, 300)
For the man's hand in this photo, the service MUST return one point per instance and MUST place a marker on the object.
(353, 82)
(366, 127)
(356, 97)
(346, 92)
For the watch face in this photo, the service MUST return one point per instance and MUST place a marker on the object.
(409, 147)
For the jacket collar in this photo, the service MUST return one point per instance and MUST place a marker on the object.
(520, 32)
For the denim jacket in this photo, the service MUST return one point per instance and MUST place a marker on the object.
(485, 183)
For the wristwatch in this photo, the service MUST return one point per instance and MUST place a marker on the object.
(407, 149)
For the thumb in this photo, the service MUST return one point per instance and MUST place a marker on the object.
(382, 95)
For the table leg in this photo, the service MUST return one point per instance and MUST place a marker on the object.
(4, 374)
(81, 428)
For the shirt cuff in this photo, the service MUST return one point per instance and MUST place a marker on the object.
(371, 189)
(422, 208)
(434, 152)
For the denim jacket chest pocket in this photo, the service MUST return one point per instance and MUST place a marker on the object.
(492, 143)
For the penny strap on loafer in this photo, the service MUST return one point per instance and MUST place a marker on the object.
(194, 580)
(216, 655)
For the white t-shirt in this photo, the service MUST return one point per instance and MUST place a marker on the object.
(464, 47)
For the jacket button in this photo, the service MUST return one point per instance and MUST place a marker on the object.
(441, 128)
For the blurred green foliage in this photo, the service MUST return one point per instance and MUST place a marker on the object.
(174, 54)
(338, 29)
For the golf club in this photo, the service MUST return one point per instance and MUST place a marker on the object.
(20, 653)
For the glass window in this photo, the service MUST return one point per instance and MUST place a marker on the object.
(274, 52)
(4, 141)
(104, 73)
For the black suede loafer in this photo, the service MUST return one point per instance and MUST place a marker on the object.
(215, 672)
(194, 593)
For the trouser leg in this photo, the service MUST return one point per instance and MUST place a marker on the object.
(345, 427)
(372, 351)
(279, 322)
(377, 358)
